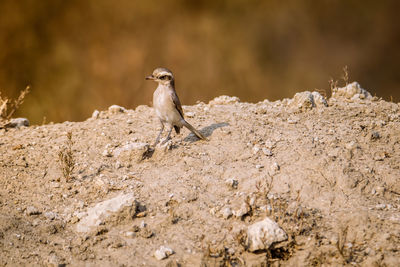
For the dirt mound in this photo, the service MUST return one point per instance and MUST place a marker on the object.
(321, 174)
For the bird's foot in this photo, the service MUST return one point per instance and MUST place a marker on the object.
(165, 141)
(166, 144)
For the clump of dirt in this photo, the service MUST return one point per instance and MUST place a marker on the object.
(325, 170)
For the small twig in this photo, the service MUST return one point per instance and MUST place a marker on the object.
(345, 77)
(342, 237)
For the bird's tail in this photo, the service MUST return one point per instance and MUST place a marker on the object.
(193, 130)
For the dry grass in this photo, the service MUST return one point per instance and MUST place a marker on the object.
(345, 252)
(8, 107)
(345, 76)
(66, 158)
(333, 84)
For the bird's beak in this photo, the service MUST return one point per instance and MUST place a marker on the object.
(150, 77)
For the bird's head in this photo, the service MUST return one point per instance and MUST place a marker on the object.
(162, 76)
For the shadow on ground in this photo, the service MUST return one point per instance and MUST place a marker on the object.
(206, 131)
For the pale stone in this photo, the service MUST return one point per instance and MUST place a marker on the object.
(261, 235)
(132, 152)
(115, 109)
(307, 100)
(351, 91)
(18, 122)
(224, 100)
(163, 253)
(104, 209)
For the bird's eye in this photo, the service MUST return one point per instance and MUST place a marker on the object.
(163, 77)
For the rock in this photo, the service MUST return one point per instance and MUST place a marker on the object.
(267, 152)
(307, 100)
(132, 152)
(115, 109)
(189, 114)
(226, 212)
(224, 100)
(49, 215)
(379, 155)
(31, 210)
(270, 144)
(107, 153)
(380, 206)
(213, 210)
(95, 114)
(261, 235)
(163, 253)
(243, 210)
(130, 234)
(380, 190)
(256, 148)
(351, 91)
(319, 100)
(375, 135)
(99, 212)
(146, 233)
(18, 123)
(232, 183)
(274, 168)
(231, 251)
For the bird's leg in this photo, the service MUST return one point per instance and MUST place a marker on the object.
(168, 136)
(159, 134)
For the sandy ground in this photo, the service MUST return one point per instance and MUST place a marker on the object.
(328, 175)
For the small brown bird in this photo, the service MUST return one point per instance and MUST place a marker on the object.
(167, 105)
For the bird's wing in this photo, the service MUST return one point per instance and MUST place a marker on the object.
(177, 103)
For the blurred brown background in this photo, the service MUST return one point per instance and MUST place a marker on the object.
(85, 55)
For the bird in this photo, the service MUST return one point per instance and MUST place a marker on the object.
(167, 105)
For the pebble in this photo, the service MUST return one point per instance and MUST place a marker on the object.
(243, 210)
(224, 100)
(115, 109)
(226, 213)
(163, 253)
(267, 152)
(18, 122)
(95, 114)
(133, 151)
(375, 135)
(270, 144)
(31, 210)
(50, 215)
(189, 114)
(231, 251)
(107, 153)
(130, 234)
(256, 148)
(274, 168)
(380, 190)
(307, 100)
(380, 206)
(232, 183)
(213, 210)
